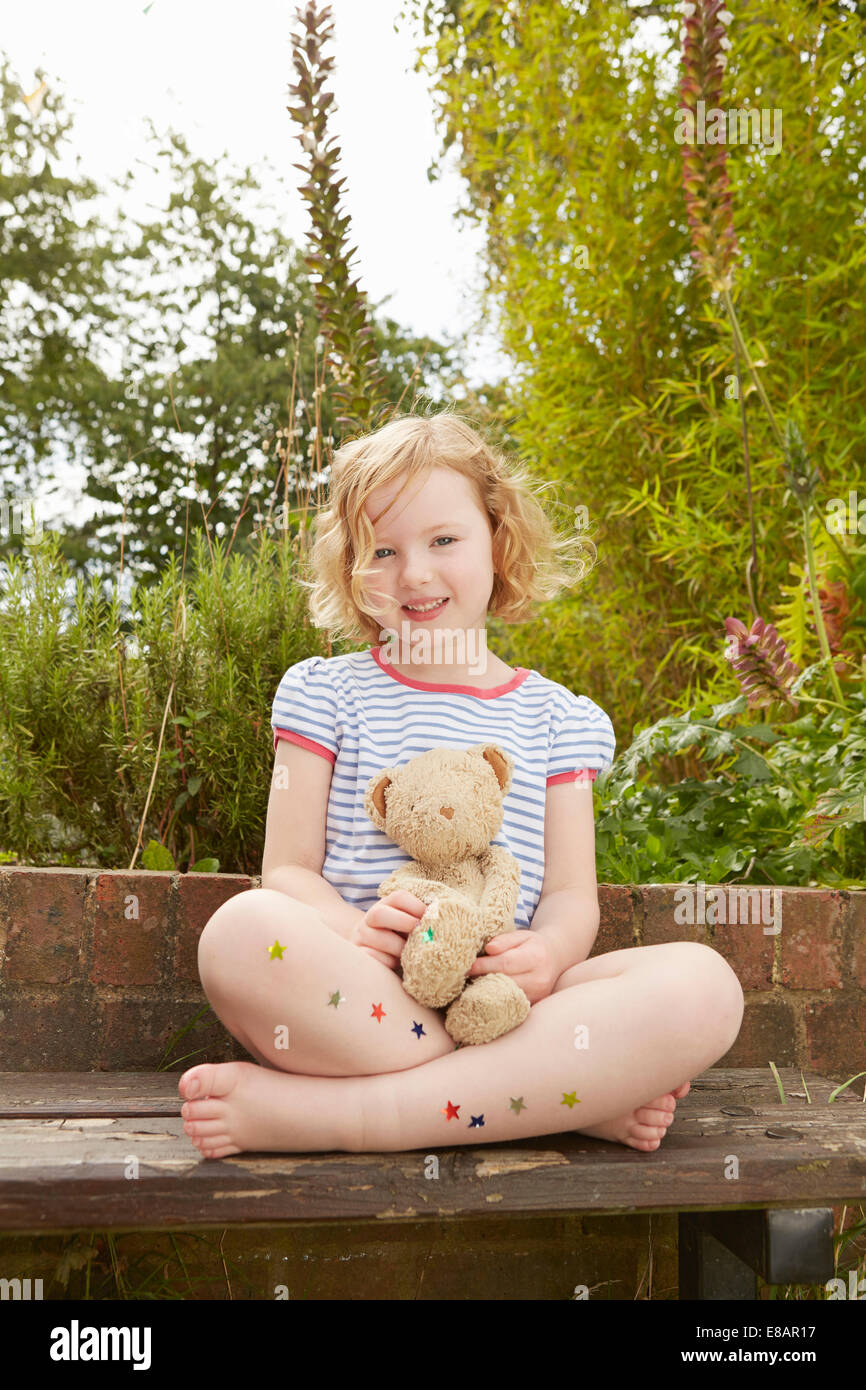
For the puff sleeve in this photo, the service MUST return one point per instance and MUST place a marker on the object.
(583, 742)
(306, 708)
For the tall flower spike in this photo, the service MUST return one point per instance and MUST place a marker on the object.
(801, 475)
(761, 662)
(705, 176)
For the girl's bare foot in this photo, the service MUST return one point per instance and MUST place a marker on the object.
(644, 1127)
(235, 1107)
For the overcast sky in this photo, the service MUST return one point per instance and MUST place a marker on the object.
(219, 71)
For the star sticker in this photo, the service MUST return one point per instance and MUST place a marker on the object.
(569, 1099)
(428, 934)
(276, 951)
(418, 1029)
(378, 1012)
(451, 1112)
(517, 1105)
(336, 999)
(476, 1122)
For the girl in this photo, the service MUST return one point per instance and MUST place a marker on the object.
(303, 971)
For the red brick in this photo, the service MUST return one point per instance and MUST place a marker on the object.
(660, 902)
(767, 1034)
(199, 896)
(54, 1030)
(746, 946)
(836, 1033)
(45, 926)
(620, 909)
(128, 950)
(812, 938)
(134, 1034)
(4, 918)
(855, 932)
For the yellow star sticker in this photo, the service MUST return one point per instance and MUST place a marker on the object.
(276, 951)
(570, 1099)
(517, 1105)
(337, 999)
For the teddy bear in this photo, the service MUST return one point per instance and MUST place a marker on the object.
(443, 808)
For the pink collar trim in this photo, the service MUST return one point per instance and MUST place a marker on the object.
(517, 679)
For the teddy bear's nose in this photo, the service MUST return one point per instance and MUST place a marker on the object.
(446, 811)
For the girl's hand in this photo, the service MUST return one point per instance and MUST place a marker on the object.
(526, 957)
(382, 932)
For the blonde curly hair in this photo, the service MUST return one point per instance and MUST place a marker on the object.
(531, 560)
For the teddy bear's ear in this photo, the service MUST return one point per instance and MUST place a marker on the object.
(374, 797)
(500, 761)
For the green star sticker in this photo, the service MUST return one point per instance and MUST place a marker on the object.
(569, 1098)
(336, 999)
(428, 935)
(276, 951)
(517, 1105)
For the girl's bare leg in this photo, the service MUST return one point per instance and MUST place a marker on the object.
(666, 1013)
(342, 1012)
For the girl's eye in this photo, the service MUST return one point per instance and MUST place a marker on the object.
(384, 548)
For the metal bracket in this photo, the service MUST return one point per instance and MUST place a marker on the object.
(721, 1252)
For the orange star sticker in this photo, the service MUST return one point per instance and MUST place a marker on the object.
(378, 1012)
(451, 1112)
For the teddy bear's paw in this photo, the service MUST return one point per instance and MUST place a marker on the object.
(488, 1007)
(440, 951)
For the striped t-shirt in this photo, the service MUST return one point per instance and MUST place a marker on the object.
(360, 714)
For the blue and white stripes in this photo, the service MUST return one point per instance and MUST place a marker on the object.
(361, 715)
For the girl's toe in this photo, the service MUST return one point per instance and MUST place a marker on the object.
(206, 1109)
(205, 1128)
(221, 1152)
(648, 1132)
(196, 1081)
(656, 1118)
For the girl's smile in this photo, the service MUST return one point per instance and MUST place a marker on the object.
(424, 615)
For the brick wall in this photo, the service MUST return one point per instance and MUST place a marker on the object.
(98, 969)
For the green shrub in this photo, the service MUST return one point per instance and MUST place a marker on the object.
(86, 687)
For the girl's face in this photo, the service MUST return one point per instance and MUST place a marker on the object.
(435, 543)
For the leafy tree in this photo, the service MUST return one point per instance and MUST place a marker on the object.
(227, 367)
(55, 312)
(563, 121)
(216, 404)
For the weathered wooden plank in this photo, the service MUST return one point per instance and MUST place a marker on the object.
(72, 1141)
(70, 1093)
(67, 1094)
(63, 1175)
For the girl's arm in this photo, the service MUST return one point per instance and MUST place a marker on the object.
(567, 914)
(295, 834)
(309, 887)
(569, 923)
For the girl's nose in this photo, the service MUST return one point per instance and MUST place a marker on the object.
(416, 571)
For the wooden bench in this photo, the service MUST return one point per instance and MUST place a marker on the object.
(67, 1141)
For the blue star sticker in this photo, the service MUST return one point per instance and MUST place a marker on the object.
(476, 1122)
(418, 1029)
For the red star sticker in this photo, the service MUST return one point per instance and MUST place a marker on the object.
(451, 1112)
(378, 1012)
